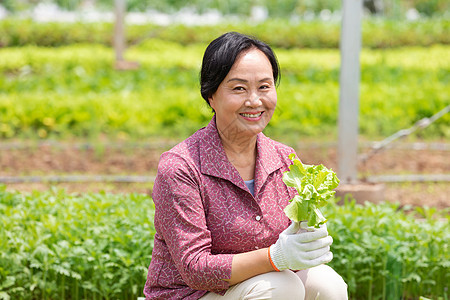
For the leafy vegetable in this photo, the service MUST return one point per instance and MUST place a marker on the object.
(56, 245)
(315, 184)
(74, 92)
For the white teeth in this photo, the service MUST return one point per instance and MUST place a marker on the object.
(252, 115)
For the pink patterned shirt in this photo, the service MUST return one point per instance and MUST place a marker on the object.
(204, 214)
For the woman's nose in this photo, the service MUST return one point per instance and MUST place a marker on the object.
(254, 100)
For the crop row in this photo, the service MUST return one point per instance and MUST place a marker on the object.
(74, 92)
(376, 33)
(59, 246)
(55, 245)
(280, 8)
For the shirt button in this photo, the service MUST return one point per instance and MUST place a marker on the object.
(256, 247)
(258, 218)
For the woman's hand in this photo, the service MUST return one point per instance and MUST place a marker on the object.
(301, 247)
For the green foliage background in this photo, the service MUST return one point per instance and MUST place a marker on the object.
(386, 252)
(59, 246)
(55, 245)
(280, 33)
(58, 81)
(276, 8)
(74, 92)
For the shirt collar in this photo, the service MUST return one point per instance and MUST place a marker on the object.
(267, 160)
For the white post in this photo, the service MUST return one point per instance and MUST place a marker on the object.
(349, 90)
(119, 29)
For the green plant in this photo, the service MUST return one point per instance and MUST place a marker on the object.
(280, 33)
(385, 251)
(54, 245)
(280, 8)
(74, 92)
(98, 246)
(315, 185)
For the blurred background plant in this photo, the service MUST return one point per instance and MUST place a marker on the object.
(58, 83)
(269, 8)
(57, 78)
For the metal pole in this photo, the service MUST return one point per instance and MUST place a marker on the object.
(350, 47)
(119, 30)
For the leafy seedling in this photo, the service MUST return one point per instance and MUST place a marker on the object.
(315, 185)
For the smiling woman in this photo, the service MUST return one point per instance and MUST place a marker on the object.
(247, 95)
(244, 104)
(221, 231)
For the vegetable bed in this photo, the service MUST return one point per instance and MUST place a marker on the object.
(74, 92)
(55, 245)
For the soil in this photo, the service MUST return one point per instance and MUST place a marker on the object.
(43, 159)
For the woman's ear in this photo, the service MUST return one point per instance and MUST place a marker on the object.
(211, 102)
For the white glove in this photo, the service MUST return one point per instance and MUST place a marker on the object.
(298, 250)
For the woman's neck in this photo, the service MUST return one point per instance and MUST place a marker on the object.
(241, 152)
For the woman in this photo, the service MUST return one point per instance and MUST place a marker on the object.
(221, 232)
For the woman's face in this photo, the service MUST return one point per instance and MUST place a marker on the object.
(245, 100)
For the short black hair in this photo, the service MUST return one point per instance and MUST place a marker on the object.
(220, 56)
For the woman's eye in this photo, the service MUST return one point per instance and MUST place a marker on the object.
(264, 87)
(238, 88)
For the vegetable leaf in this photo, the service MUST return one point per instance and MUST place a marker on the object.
(314, 184)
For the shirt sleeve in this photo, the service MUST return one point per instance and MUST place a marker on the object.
(180, 220)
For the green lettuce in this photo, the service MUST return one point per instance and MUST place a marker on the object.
(314, 184)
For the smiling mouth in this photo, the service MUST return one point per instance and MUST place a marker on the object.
(247, 115)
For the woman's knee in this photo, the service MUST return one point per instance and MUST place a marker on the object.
(277, 285)
(322, 282)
